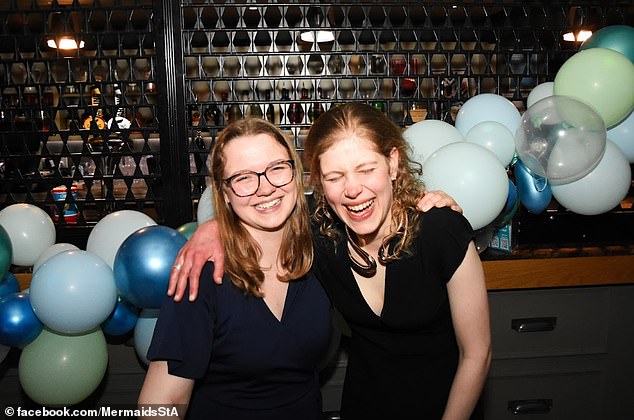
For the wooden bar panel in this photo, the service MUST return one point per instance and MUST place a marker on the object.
(559, 272)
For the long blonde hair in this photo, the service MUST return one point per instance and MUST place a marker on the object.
(368, 123)
(242, 252)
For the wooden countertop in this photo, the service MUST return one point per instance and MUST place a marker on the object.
(559, 272)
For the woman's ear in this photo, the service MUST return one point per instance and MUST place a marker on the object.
(393, 162)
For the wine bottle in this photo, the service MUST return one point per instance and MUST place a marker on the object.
(233, 113)
(200, 156)
(119, 121)
(254, 110)
(94, 122)
(213, 116)
(315, 111)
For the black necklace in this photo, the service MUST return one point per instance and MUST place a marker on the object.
(368, 267)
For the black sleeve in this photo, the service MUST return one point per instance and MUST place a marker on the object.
(445, 234)
(184, 331)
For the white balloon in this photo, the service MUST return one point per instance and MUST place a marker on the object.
(143, 332)
(205, 210)
(540, 91)
(30, 229)
(425, 137)
(622, 135)
(53, 250)
(600, 190)
(473, 176)
(110, 232)
(495, 137)
(487, 107)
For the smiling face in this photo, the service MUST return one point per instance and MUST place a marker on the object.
(270, 207)
(357, 184)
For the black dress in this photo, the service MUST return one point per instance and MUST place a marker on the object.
(401, 364)
(248, 365)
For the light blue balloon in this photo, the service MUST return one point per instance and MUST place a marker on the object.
(622, 135)
(206, 210)
(143, 332)
(73, 292)
(9, 284)
(143, 265)
(534, 191)
(18, 323)
(602, 189)
(122, 319)
(487, 107)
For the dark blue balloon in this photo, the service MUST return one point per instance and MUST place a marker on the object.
(534, 191)
(18, 323)
(143, 264)
(511, 199)
(9, 284)
(122, 319)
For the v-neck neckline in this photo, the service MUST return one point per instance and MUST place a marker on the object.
(288, 299)
(351, 279)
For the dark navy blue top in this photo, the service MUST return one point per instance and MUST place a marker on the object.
(401, 364)
(248, 365)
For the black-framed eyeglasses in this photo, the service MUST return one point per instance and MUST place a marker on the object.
(246, 183)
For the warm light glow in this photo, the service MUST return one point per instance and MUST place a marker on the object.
(65, 43)
(322, 36)
(582, 35)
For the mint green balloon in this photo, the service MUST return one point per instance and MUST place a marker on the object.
(187, 230)
(56, 370)
(601, 78)
(6, 252)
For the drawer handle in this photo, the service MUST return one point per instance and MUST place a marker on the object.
(522, 325)
(537, 406)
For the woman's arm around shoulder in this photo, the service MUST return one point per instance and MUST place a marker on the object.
(161, 389)
(470, 315)
(204, 245)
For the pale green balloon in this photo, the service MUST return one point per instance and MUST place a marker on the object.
(187, 229)
(56, 370)
(602, 78)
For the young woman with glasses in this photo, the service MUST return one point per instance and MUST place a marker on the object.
(253, 344)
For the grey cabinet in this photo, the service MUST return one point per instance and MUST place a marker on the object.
(562, 354)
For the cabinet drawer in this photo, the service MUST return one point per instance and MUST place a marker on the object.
(541, 323)
(544, 397)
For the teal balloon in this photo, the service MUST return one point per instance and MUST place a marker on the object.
(18, 323)
(188, 229)
(6, 252)
(60, 370)
(9, 284)
(616, 37)
(122, 319)
(143, 265)
(534, 191)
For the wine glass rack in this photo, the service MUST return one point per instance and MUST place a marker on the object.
(180, 70)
